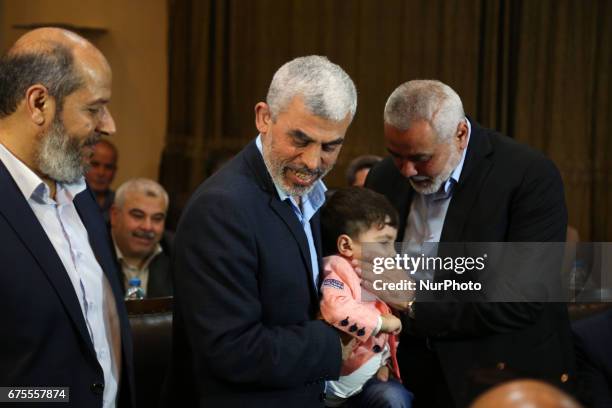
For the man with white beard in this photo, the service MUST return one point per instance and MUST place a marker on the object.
(64, 322)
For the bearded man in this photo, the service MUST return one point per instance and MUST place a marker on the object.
(64, 322)
(248, 252)
(453, 181)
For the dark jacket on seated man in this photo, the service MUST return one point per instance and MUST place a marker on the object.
(592, 340)
(159, 283)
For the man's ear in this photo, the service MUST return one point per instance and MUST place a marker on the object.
(39, 104)
(114, 213)
(345, 246)
(263, 117)
(461, 134)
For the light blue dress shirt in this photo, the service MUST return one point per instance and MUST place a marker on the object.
(311, 203)
(426, 216)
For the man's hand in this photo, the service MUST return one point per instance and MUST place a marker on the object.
(390, 324)
(397, 299)
(347, 343)
(383, 374)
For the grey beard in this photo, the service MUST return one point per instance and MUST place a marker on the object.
(59, 156)
(437, 182)
(276, 170)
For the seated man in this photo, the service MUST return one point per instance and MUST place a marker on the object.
(137, 226)
(103, 166)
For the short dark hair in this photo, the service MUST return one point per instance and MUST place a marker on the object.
(53, 67)
(351, 211)
(361, 162)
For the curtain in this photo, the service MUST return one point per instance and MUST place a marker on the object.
(538, 71)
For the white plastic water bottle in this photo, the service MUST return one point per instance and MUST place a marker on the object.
(134, 291)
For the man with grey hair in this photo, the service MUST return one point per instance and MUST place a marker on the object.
(137, 218)
(452, 180)
(64, 322)
(248, 252)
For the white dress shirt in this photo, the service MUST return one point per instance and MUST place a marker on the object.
(64, 228)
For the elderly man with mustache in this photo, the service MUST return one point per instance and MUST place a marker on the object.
(138, 217)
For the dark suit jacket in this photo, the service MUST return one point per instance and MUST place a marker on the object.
(45, 341)
(159, 283)
(245, 296)
(160, 276)
(506, 192)
(592, 340)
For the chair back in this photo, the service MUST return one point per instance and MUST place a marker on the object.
(151, 323)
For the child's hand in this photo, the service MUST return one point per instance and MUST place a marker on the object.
(401, 306)
(383, 374)
(347, 342)
(390, 324)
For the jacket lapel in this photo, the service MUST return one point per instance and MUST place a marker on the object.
(282, 209)
(401, 200)
(98, 235)
(315, 224)
(474, 173)
(22, 219)
(100, 242)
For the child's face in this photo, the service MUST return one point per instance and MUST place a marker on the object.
(375, 242)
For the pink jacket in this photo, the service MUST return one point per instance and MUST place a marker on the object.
(341, 306)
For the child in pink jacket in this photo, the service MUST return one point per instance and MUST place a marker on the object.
(351, 218)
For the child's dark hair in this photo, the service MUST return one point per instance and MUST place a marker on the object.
(352, 211)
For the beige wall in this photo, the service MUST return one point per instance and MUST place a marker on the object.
(136, 46)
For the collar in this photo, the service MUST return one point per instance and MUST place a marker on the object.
(31, 185)
(316, 197)
(456, 174)
(156, 251)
